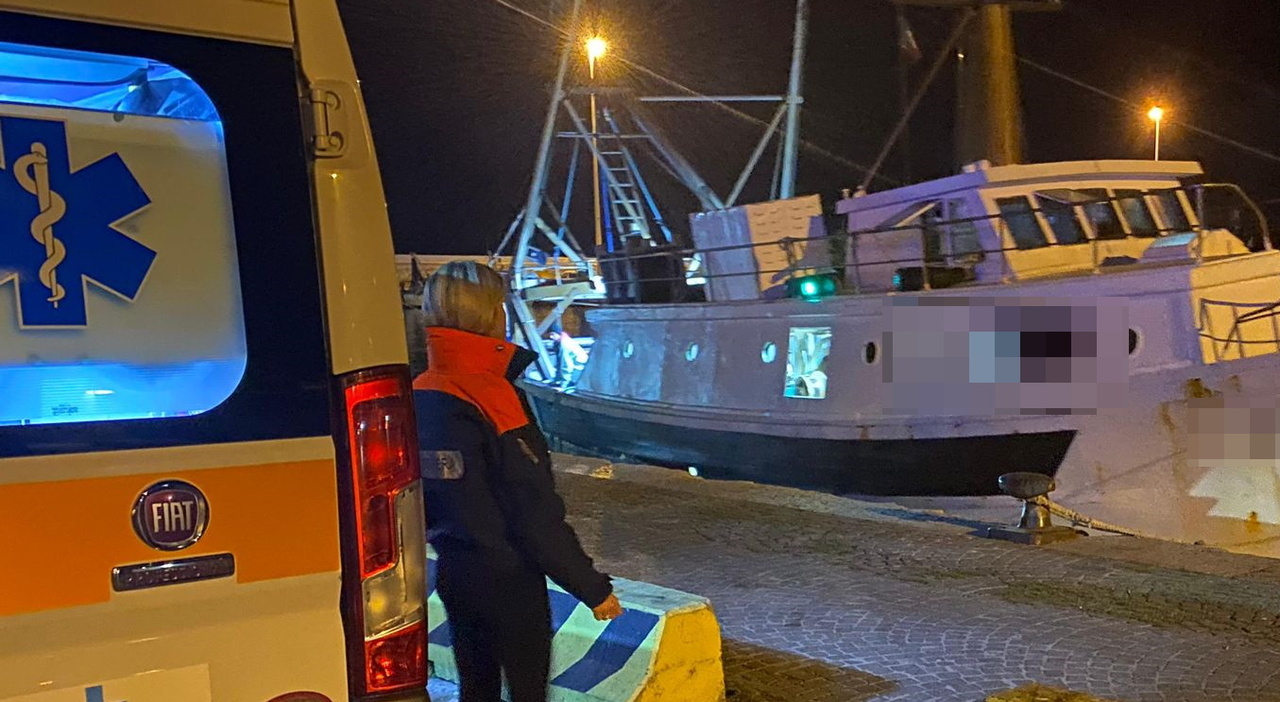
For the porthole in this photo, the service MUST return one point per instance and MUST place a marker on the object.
(691, 353)
(1134, 341)
(628, 350)
(871, 352)
(769, 353)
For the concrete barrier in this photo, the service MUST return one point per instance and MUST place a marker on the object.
(664, 648)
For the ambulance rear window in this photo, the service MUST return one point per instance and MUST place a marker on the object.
(119, 283)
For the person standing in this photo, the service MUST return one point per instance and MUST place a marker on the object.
(493, 515)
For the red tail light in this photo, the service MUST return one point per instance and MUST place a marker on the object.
(385, 593)
(382, 436)
(396, 661)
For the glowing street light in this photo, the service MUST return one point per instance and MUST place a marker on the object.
(1156, 114)
(597, 47)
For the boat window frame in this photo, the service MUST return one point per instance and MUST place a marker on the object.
(1045, 233)
(905, 216)
(799, 338)
(1140, 196)
(1184, 203)
(1040, 198)
(1107, 199)
(955, 218)
(913, 218)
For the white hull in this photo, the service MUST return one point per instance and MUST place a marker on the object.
(1136, 458)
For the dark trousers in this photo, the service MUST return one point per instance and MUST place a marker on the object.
(501, 625)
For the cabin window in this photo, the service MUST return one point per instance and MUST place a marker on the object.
(807, 356)
(942, 235)
(962, 235)
(907, 216)
(1102, 214)
(1172, 211)
(925, 216)
(933, 246)
(1021, 219)
(1062, 220)
(1135, 209)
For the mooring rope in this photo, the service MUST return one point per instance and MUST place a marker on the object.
(1081, 520)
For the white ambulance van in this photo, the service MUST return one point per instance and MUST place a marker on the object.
(209, 484)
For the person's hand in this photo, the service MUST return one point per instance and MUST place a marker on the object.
(608, 610)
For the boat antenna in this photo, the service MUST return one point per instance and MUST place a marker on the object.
(910, 110)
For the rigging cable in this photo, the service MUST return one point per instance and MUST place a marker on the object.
(1129, 103)
(565, 34)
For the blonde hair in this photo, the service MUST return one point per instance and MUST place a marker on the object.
(465, 295)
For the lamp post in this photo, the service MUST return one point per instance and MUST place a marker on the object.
(597, 47)
(1156, 114)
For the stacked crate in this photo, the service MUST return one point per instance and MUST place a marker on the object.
(744, 257)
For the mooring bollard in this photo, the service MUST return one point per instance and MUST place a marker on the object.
(1036, 526)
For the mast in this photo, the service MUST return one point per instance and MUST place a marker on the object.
(542, 168)
(989, 102)
(791, 142)
(989, 122)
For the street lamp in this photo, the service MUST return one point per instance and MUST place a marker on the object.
(1156, 114)
(596, 47)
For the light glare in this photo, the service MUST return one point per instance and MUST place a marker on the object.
(597, 47)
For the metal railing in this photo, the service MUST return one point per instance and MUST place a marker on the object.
(937, 244)
(1257, 311)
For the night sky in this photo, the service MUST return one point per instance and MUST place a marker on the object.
(457, 90)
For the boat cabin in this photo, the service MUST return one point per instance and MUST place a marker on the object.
(991, 224)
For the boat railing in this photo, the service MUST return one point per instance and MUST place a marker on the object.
(555, 271)
(1241, 314)
(940, 257)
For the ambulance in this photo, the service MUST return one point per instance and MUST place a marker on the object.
(209, 486)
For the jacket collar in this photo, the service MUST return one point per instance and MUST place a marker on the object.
(521, 360)
(456, 352)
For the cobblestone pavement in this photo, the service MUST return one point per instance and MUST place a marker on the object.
(824, 599)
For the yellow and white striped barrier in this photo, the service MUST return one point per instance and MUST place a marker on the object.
(664, 648)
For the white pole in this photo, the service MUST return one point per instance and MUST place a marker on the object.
(791, 145)
(1157, 140)
(541, 169)
(595, 167)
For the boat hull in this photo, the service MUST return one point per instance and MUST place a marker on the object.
(1177, 438)
(1150, 468)
(958, 465)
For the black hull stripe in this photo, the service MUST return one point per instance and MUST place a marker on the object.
(953, 466)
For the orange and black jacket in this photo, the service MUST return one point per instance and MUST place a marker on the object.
(486, 468)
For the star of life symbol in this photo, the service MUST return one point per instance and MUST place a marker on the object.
(56, 232)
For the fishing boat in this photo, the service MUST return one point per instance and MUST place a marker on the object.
(1102, 322)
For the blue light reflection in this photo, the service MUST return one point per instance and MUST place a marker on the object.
(61, 391)
(87, 392)
(85, 81)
